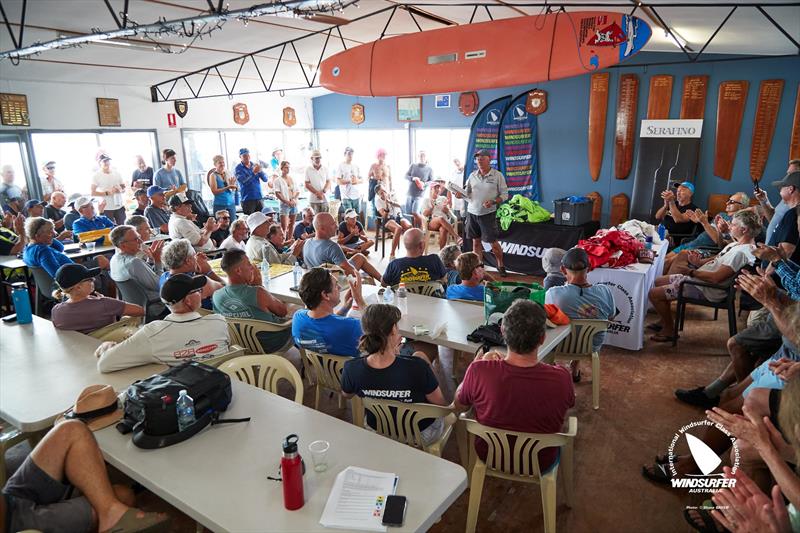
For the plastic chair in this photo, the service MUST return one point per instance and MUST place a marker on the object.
(400, 421)
(327, 374)
(118, 331)
(44, 288)
(425, 288)
(234, 352)
(578, 345)
(133, 293)
(264, 371)
(728, 303)
(244, 332)
(514, 456)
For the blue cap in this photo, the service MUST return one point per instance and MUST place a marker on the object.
(155, 189)
(243, 151)
(688, 184)
(34, 202)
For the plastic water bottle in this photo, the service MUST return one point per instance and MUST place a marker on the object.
(388, 296)
(265, 272)
(185, 408)
(402, 299)
(22, 302)
(662, 231)
(648, 242)
(297, 273)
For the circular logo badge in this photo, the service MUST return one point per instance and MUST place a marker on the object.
(336, 71)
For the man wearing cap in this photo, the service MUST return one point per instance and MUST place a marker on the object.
(142, 201)
(486, 190)
(184, 335)
(72, 215)
(34, 208)
(266, 241)
(673, 213)
(351, 236)
(127, 264)
(785, 233)
(773, 214)
(157, 213)
(89, 220)
(248, 176)
(181, 227)
(348, 177)
(168, 177)
(108, 185)
(50, 183)
(418, 175)
(317, 183)
(321, 250)
(579, 299)
(54, 210)
(244, 297)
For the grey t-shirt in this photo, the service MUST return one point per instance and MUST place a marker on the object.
(318, 251)
(87, 315)
(156, 216)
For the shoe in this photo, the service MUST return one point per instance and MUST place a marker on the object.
(502, 271)
(696, 397)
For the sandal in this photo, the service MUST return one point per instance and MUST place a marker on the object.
(655, 326)
(658, 474)
(136, 520)
(704, 513)
(662, 338)
(664, 459)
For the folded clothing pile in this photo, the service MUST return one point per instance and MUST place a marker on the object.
(611, 248)
(640, 229)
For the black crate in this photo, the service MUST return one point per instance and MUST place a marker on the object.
(572, 214)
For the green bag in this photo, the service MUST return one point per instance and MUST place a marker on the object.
(499, 295)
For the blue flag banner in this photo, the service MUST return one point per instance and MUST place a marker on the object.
(517, 148)
(484, 133)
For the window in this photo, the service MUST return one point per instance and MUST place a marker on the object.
(442, 146)
(200, 147)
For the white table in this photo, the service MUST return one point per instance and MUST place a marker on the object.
(629, 286)
(43, 369)
(219, 476)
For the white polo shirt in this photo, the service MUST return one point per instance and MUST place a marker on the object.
(317, 178)
(182, 228)
(105, 182)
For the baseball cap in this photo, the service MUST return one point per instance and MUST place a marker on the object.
(348, 150)
(155, 189)
(178, 199)
(790, 179)
(316, 153)
(178, 286)
(73, 198)
(480, 153)
(104, 157)
(83, 201)
(243, 151)
(276, 150)
(575, 259)
(350, 213)
(71, 274)
(551, 260)
(254, 220)
(688, 184)
(140, 192)
(49, 164)
(97, 406)
(34, 202)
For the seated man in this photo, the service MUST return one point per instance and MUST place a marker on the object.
(126, 264)
(551, 264)
(244, 297)
(236, 240)
(181, 225)
(54, 211)
(414, 267)
(157, 213)
(14, 205)
(89, 220)
(45, 251)
(305, 228)
(179, 257)
(389, 209)
(351, 236)
(266, 240)
(72, 215)
(12, 242)
(321, 250)
(517, 392)
(472, 273)
(719, 269)
(673, 213)
(40, 496)
(321, 327)
(184, 335)
(223, 217)
(34, 208)
(434, 209)
(141, 225)
(142, 201)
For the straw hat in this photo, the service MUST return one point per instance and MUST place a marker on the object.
(97, 406)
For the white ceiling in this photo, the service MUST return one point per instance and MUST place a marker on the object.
(747, 32)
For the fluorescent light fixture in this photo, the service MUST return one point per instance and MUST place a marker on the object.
(142, 46)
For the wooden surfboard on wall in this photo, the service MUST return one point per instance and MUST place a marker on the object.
(598, 109)
(658, 101)
(625, 136)
(769, 102)
(693, 99)
(794, 143)
(730, 111)
(486, 55)
(620, 207)
(597, 205)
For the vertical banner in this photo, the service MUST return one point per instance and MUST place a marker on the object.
(668, 154)
(517, 152)
(484, 133)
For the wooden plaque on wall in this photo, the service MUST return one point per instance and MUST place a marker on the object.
(769, 101)
(658, 101)
(730, 110)
(693, 99)
(597, 205)
(620, 207)
(794, 144)
(14, 110)
(108, 112)
(625, 135)
(598, 109)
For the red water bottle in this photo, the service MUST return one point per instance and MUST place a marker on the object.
(292, 474)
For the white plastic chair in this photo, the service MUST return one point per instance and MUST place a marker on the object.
(118, 331)
(578, 345)
(244, 332)
(400, 421)
(328, 375)
(265, 371)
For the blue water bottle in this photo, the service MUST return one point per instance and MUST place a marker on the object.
(662, 231)
(22, 302)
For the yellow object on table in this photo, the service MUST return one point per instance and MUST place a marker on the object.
(275, 270)
(93, 235)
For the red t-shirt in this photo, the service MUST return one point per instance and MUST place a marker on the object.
(527, 399)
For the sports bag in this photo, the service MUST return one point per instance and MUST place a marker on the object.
(150, 404)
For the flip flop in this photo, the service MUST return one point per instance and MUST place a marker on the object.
(662, 338)
(136, 520)
(709, 525)
(660, 474)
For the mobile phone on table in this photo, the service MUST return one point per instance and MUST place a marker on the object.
(394, 514)
(10, 318)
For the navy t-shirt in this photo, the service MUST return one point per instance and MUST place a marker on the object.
(301, 228)
(786, 230)
(344, 231)
(407, 380)
(414, 270)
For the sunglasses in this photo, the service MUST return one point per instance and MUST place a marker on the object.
(50, 168)
(224, 218)
(729, 202)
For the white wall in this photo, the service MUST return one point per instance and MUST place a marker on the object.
(61, 106)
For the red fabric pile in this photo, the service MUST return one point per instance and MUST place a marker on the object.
(611, 248)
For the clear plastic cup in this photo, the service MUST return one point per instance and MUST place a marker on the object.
(90, 246)
(319, 454)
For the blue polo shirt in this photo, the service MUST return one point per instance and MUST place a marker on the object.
(249, 187)
(99, 222)
(47, 257)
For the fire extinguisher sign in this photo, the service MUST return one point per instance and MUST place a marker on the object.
(172, 120)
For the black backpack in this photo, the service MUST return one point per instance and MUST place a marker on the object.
(150, 404)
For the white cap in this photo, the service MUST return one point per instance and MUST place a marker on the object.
(350, 213)
(254, 220)
(83, 201)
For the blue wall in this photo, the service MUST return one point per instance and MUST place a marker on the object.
(563, 129)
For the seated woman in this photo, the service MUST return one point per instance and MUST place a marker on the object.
(85, 310)
(448, 255)
(434, 208)
(472, 273)
(386, 374)
(744, 227)
(352, 237)
(392, 214)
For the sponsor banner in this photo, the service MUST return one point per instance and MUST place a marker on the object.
(518, 161)
(484, 133)
(691, 128)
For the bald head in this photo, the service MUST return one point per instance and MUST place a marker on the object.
(414, 241)
(324, 225)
